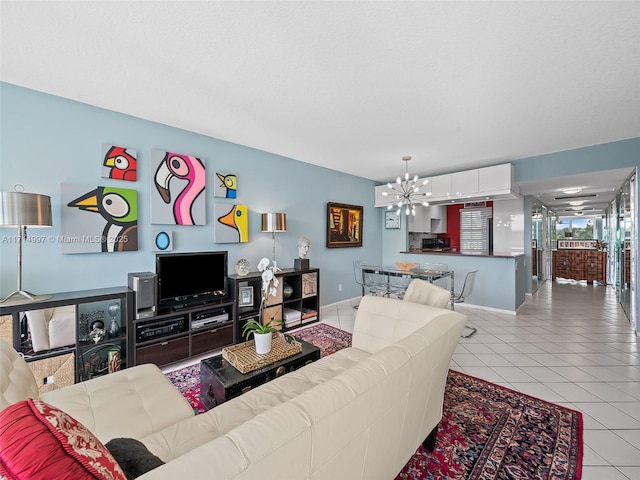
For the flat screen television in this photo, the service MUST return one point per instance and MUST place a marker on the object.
(188, 279)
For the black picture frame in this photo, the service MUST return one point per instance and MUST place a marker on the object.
(245, 296)
(344, 225)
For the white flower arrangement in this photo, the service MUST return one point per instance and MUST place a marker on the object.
(269, 280)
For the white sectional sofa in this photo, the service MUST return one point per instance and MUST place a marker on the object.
(359, 413)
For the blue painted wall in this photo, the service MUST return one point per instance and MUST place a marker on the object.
(47, 140)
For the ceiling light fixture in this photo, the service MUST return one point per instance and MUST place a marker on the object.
(576, 203)
(571, 190)
(584, 195)
(406, 192)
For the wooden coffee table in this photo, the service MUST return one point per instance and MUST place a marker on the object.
(221, 381)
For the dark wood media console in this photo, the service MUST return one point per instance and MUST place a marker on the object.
(180, 334)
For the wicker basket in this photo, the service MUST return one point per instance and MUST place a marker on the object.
(60, 369)
(6, 328)
(245, 359)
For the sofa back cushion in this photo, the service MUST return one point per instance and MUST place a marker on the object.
(16, 378)
(427, 293)
(381, 322)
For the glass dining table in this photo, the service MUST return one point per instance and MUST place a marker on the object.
(397, 279)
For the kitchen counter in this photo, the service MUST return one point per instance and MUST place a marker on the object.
(439, 251)
(500, 283)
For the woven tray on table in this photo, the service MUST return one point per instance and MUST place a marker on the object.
(245, 359)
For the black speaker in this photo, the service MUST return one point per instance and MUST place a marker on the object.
(145, 285)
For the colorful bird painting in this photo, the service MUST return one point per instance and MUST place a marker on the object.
(237, 218)
(119, 207)
(121, 164)
(185, 167)
(229, 185)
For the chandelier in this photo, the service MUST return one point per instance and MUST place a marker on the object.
(406, 192)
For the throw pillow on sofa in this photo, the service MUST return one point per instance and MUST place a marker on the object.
(38, 442)
(133, 456)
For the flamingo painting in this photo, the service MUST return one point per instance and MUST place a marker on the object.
(180, 181)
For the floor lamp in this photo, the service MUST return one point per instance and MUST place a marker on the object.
(274, 222)
(21, 210)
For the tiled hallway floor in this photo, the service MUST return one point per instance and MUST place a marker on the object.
(570, 344)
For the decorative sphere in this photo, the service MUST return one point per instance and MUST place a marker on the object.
(242, 267)
(287, 290)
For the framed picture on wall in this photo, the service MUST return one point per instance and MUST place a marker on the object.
(344, 225)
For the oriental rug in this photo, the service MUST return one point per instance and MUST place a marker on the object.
(487, 432)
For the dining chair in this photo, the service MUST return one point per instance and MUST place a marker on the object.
(368, 285)
(443, 267)
(467, 286)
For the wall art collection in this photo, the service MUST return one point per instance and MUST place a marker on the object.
(104, 218)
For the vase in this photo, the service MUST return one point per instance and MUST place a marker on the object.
(262, 342)
(114, 326)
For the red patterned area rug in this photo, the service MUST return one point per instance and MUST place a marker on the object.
(487, 431)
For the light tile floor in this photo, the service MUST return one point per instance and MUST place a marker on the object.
(571, 344)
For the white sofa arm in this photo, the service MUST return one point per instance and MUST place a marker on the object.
(16, 378)
(383, 321)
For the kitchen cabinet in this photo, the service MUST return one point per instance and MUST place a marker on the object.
(440, 186)
(383, 200)
(496, 179)
(464, 183)
(431, 219)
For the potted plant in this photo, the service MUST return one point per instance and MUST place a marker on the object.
(262, 334)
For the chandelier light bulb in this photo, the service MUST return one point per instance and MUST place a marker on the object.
(407, 192)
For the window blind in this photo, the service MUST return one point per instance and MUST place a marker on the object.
(474, 231)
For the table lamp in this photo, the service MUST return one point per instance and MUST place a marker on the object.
(21, 210)
(274, 222)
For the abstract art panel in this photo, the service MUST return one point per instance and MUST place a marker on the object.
(226, 185)
(162, 241)
(231, 224)
(119, 163)
(177, 190)
(98, 219)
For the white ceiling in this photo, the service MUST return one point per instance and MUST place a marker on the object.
(351, 86)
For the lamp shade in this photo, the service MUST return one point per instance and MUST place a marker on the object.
(24, 209)
(274, 222)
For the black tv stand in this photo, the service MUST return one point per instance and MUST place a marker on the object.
(200, 336)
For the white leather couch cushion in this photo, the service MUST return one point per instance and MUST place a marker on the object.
(180, 438)
(426, 293)
(133, 402)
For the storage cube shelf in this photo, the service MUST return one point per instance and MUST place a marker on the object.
(91, 358)
(302, 295)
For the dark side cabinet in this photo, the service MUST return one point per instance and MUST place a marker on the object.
(181, 334)
(297, 301)
(86, 356)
